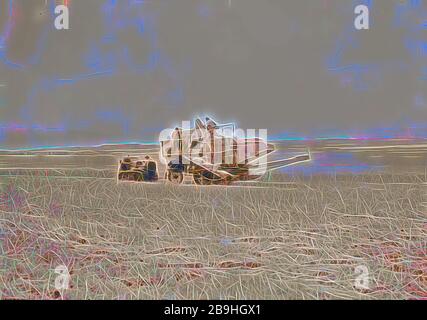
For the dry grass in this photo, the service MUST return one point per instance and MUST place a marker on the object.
(295, 238)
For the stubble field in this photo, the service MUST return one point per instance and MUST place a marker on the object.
(298, 237)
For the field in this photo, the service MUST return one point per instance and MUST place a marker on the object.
(295, 237)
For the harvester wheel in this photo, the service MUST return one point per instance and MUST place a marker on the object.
(197, 178)
(201, 179)
(175, 177)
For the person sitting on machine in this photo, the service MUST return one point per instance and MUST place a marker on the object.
(150, 170)
(211, 126)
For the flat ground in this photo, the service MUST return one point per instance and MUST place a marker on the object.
(297, 237)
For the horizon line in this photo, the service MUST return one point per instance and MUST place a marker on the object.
(145, 143)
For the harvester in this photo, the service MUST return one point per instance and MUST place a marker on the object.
(214, 154)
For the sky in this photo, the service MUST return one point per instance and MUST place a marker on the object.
(127, 69)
